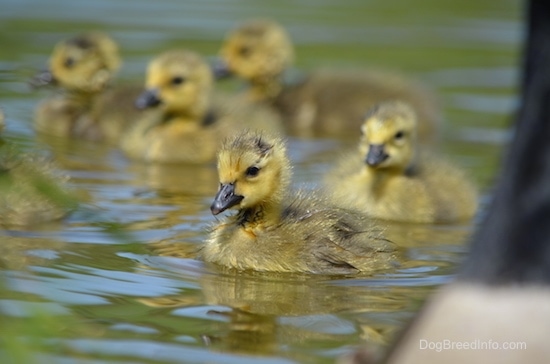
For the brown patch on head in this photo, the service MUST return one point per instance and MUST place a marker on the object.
(82, 41)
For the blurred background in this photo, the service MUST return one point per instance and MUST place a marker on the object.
(110, 283)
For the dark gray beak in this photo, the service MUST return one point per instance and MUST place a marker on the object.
(220, 69)
(225, 198)
(42, 78)
(376, 155)
(148, 98)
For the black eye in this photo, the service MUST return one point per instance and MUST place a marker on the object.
(244, 51)
(178, 80)
(69, 62)
(399, 135)
(252, 171)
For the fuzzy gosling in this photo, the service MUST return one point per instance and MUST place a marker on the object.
(389, 178)
(276, 230)
(188, 120)
(86, 105)
(320, 102)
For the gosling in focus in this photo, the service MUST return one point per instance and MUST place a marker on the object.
(86, 106)
(322, 102)
(190, 121)
(276, 230)
(389, 178)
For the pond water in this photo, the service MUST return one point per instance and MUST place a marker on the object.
(110, 284)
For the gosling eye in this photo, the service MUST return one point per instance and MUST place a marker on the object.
(69, 62)
(178, 80)
(244, 51)
(399, 135)
(252, 171)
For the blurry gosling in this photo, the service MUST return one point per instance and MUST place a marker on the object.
(389, 178)
(32, 191)
(277, 230)
(322, 102)
(87, 107)
(189, 120)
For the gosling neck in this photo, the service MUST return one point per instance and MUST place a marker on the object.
(82, 99)
(404, 163)
(378, 177)
(194, 114)
(265, 88)
(189, 117)
(263, 215)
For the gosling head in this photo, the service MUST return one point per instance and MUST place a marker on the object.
(253, 170)
(389, 136)
(258, 49)
(85, 63)
(179, 82)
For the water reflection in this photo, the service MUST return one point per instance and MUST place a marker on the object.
(20, 252)
(264, 313)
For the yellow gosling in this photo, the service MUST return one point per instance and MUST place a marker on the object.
(389, 178)
(31, 190)
(324, 101)
(277, 230)
(87, 107)
(189, 120)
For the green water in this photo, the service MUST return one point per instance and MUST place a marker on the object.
(80, 291)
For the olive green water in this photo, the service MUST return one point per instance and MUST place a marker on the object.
(106, 285)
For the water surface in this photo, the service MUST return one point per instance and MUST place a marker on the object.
(111, 284)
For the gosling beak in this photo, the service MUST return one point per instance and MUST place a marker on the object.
(148, 98)
(221, 69)
(376, 155)
(225, 198)
(42, 78)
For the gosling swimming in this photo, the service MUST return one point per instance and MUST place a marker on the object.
(189, 121)
(322, 102)
(277, 230)
(389, 177)
(86, 106)
(32, 191)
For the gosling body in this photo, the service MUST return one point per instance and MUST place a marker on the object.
(32, 191)
(323, 101)
(389, 178)
(279, 231)
(187, 121)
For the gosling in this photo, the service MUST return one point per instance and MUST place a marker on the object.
(188, 120)
(389, 178)
(32, 191)
(87, 106)
(275, 230)
(321, 102)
